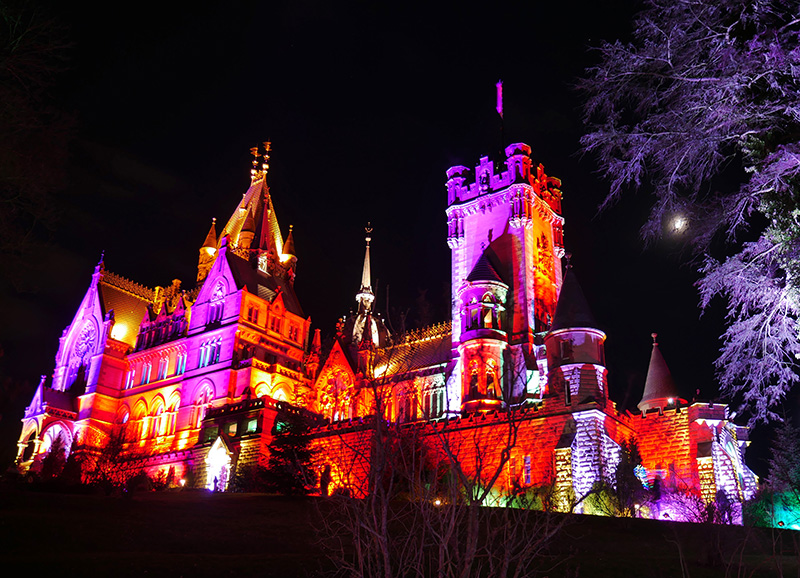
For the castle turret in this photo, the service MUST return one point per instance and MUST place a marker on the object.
(659, 389)
(513, 215)
(208, 252)
(484, 341)
(575, 348)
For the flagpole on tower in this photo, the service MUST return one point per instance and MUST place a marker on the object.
(499, 108)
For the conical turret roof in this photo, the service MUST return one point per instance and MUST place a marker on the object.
(572, 309)
(483, 271)
(211, 238)
(659, 387)
(288, 245)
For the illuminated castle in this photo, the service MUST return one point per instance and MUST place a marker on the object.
(195, 379)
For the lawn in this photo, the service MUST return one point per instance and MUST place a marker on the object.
(201, 534)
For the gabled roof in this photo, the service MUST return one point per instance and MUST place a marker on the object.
(659, 386)
(129, 301)
(247, 275)
(572, 309)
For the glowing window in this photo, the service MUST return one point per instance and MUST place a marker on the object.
(251, 426)
(180, 364)
(528, 470)
(146, 369)
(163, 366)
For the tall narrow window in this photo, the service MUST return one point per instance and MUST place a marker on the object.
(216, 349)
(202, 361)
(146, 369)
(528, 470)
(130, 378)
(180, 363)
(163, 365)
(252, 314)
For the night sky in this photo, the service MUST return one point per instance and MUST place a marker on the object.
(366, 107)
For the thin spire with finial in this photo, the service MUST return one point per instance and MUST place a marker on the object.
(365, 297)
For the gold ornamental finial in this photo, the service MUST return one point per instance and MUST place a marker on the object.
(267, 150)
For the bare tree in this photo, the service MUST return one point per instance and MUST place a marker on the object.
(701, 110)
(423, 511)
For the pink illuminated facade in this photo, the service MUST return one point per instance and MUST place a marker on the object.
(193, 379)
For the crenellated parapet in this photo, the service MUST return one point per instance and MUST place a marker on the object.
(464, 184)
(128, 286)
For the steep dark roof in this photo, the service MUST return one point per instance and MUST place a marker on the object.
(572, 309)
(420, 349)
(259, 283)
(659, 386)
(483, 271)
(129, 301)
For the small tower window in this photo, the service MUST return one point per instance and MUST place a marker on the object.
(473, 383)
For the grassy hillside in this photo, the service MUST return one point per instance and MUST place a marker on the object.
(201, 534)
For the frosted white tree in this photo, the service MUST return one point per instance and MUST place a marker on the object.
(702, 109)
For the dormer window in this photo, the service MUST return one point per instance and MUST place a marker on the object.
(216, 304)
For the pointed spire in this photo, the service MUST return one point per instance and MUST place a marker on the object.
(249, 225)
(659, 388)
(316, 344)
(288, 245)
(365, 297)
(572, 309)
(211, 238)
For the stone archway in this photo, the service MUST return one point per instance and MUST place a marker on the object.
(218, 466)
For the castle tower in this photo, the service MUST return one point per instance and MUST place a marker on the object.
(509, 217)
(513, 216)
(575, 348)
(659, 389)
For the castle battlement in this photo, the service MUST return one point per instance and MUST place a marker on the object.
(464, 184)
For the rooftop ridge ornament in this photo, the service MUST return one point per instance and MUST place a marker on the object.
(260, 162)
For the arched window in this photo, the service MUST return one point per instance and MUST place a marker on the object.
(216, 304)
(55, 432)
(158, 418)
(492, 389)
(201, 404)
(139, 429)
(123, 415)
(174, 405)
(473, 381)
